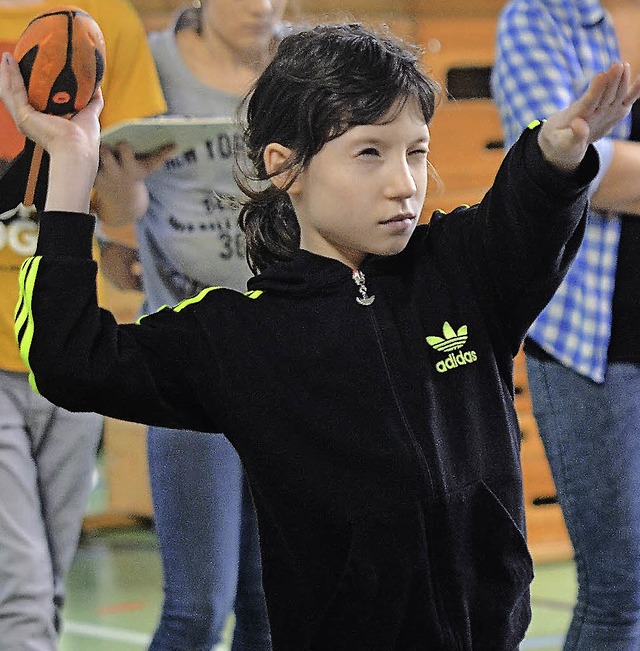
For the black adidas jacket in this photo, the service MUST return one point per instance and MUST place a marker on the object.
(380, 441)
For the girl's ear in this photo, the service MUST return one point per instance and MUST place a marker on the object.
(276, 156)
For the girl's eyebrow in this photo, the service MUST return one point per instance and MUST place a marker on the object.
(374, 141)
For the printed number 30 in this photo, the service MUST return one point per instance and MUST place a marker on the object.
(233, 246)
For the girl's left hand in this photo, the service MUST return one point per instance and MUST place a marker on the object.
(72, 144)
(565, 135)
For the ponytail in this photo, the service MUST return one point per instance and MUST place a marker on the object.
(270, 227)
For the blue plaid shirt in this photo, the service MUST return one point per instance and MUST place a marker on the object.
(547, 53)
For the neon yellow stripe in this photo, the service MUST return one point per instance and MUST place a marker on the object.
(29, 283)
(194, 299)
(440, 211)
(27, 280)
(144, 316)
(26, 315)
(180, 306)
(533, 124)
(23, 271)
(21, 312)
(32, 382)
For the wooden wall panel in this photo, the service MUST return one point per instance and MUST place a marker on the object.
(466, 136)
(157, 13)
(455, 8)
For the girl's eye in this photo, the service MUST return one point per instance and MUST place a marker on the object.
(419, 152)
(369, 151)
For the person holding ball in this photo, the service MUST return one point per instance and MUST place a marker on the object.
(388, 494)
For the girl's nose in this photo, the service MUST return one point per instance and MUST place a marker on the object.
(401, 183)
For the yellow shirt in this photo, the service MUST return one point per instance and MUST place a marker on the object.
(131, 89)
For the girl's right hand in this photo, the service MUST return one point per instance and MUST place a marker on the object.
(72, 144)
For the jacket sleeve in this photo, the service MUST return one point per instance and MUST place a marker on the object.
(519, 242)
(78, 356)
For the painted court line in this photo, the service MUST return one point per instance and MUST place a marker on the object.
(114, 634)
(106, 633)
(542, 642)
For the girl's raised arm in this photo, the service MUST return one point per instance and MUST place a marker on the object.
(72, 144)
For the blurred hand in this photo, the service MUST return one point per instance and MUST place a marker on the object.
(120, 194)
(120, 265)
(565, 136)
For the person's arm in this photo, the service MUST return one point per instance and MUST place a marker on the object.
(521, 239)
(619, 190)
(78, 357)
(131, 90)
(565, 135)
(535, 74)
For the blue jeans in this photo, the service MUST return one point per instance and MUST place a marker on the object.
(591, 433)
(208, 537)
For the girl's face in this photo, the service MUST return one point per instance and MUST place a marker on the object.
(363, 191)
(246, 26)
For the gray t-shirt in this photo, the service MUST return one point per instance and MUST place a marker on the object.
(189, 238)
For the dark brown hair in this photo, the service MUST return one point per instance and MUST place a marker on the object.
(320, 83)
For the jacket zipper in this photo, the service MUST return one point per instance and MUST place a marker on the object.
(366, 300)
(359, 280)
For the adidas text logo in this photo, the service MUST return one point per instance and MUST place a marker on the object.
(450, 342)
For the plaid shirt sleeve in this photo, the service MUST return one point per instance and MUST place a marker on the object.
(547, 52)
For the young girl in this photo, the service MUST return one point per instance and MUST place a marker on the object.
(365, 378)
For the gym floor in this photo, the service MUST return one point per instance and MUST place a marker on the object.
(115, 594)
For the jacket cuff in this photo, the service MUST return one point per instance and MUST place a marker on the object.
(66, 234)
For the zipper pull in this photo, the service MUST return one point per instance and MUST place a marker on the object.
(359, 280)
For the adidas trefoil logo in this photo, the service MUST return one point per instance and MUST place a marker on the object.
(450, 342)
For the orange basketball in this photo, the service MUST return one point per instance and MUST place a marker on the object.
(61, 55)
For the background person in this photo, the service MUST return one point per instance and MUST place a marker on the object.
(47, 454)
(583, 352)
